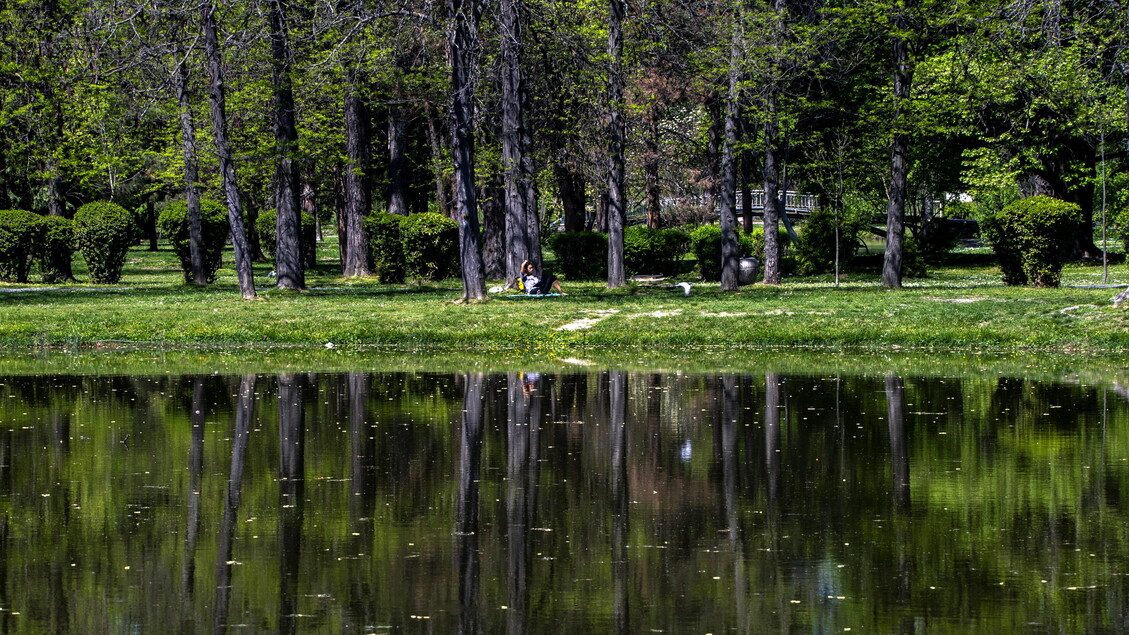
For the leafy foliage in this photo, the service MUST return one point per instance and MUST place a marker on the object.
(103, 232)
(581, 255)
(1032, 238)
(386, 246)
(56, 249)
(20, 234)
(431, 246)
(173, 226)
(647, 250)
(815, 248)
(705, 242)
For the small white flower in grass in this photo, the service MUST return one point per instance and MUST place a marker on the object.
(329, 345)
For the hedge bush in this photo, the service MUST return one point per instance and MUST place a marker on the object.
(814, 250)
(56, 251)
(705, 242)
(580, 255)
(21, 232)
(386, 246)
(104, 232)
(1032, 239)
(267, 227)
(660, 251)
(431, 246)
(172, 223)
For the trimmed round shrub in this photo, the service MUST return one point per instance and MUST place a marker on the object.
(21, 232)
(431, 246)
(172, 223)
(1032, 239)
(660, 251)
(705, 242)
(267, 227)
(814, 250)
(386, 246)
(581, 255)
(56, 250)
(104, 232)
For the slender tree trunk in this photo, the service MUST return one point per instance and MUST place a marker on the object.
(513, 159)
(358, 190)
(442, 184)
(617, 131)
(493, 205)
(771, 169)
(198, 273)
(462, 41)
(529, 186)
(747, 191)
(899, 165)
(223, 151)
(288, 228)
(651, 166)
(729, 243)
(397, 160)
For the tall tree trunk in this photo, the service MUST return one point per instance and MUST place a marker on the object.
(529, 185)
(288, 228)
(494, 249)
(223, 151)
(513, 158)
(438, 160)
(729, 243)
(899, 162)
(397, 160)
(462, 40)
(358, 189)
(747, 190)
(191, 174)
(771, 168)
(573, 193)
(617, 131)
(651, 166)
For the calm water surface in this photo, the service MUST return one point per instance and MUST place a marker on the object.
(591, 502)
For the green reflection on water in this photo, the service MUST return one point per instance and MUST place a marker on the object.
(562, 501)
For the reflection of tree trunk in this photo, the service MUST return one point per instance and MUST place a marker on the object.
(291, 485)
(617, 418)
(195, 472)
(772, 434)
(899, 455)
(521, 394)
(363, 472)
(244, 413)
(731, 408)
(466, 509)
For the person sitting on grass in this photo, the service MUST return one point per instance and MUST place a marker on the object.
(538, 285)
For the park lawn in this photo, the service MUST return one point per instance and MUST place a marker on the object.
(962, 307)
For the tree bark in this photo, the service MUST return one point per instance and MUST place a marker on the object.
(573, 193)
(288, 227)
(495, 237)
(358, 190)
(462, 40)
(728, 191)
(651, 164)
(517, 241)
(899, 163)
(442, 183)
(771, 169)
(617, 131)
(397, 160)
(191, 174)
(223, 151)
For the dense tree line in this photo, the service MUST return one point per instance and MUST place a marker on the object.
(508, 116)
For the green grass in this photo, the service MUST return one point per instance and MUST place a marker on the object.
(962, 306)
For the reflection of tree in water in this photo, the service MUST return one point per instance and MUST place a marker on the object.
(466, 508)
(525, 396)
(291, 490)
(244, 413)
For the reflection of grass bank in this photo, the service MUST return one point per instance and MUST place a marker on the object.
(963, 308)
(208, 360)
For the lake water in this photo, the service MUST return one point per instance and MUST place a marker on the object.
(562, 502)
